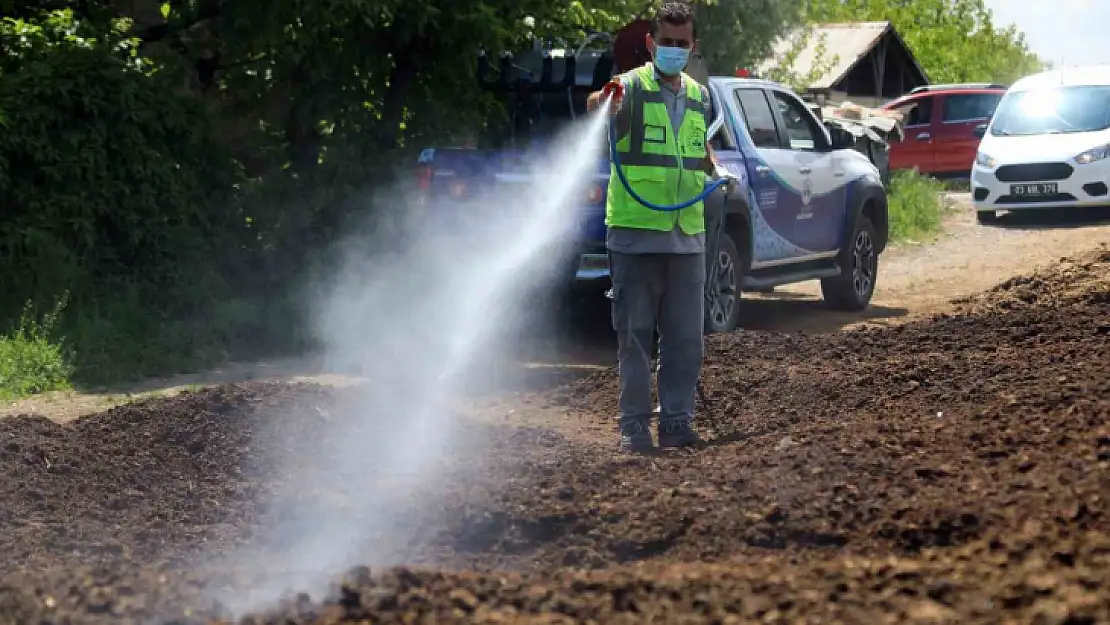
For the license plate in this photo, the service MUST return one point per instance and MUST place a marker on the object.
(1033, 190)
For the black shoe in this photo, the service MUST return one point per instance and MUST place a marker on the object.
(677, 433)
(635, 437)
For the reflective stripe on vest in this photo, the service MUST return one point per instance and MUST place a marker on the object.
(662, 165)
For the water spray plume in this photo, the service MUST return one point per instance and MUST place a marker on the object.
(420, 325)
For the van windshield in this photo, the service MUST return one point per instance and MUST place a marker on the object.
(1053, 110)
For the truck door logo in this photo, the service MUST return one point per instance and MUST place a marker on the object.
(807, 198)
(768, 198)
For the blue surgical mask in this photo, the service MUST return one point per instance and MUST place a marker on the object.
(670, 61)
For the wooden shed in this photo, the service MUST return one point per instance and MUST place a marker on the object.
(866, 62)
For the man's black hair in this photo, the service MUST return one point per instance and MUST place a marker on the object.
(675, 14)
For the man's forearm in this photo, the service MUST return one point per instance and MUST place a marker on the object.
(709, 165)
(593, 101)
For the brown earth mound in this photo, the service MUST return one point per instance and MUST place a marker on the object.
(949, 470)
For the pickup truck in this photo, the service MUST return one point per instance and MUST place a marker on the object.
(809, 206)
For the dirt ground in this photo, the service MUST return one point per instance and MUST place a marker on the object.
(946, 469)
(923, 277)
(915, 279)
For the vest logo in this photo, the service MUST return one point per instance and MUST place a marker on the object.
(697, 143)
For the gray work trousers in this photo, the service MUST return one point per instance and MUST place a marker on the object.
(664, 291)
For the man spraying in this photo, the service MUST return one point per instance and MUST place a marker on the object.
(656, 258)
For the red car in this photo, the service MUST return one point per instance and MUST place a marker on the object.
(940, 122)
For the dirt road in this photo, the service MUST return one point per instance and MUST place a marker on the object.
(920, 278)
(915, 279)
(948, 469)
(945, 470)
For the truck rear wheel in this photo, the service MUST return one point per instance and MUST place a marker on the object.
(859, 267)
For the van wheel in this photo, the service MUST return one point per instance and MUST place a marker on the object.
(722, 299)
(986, 217)
(859, 266)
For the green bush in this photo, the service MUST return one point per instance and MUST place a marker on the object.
(915, 205)
(137, 187)
(32, 359)
(181, 188)
(115, 187)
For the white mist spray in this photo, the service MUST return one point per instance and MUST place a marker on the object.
(414, 324)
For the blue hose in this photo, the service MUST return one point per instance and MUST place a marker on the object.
(709, 188)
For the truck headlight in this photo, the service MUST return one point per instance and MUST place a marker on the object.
(985, 161)
(1094, 154)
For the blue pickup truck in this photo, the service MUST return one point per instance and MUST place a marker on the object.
(810, 207)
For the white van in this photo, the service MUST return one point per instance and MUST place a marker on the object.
(1047, 145)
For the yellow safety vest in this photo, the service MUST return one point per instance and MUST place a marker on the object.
(661, 168)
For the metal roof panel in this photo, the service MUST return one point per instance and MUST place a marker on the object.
(847, 42)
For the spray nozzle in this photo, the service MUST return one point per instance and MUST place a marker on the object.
(612, 96)
(613, 90)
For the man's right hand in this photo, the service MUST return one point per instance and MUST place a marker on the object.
(597, 98)
(722, 172)
(614, 92)
(615, 104)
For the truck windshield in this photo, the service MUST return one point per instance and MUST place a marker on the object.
(1053, 110)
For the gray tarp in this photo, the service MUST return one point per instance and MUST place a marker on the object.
(874, 134)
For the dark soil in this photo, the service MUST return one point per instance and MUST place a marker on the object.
(950, 470)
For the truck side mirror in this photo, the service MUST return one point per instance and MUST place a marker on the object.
(980, 131)
(841, 138)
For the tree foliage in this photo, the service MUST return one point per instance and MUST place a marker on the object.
(738, 32)
(174, 166)
(953, 40)
(785, 71)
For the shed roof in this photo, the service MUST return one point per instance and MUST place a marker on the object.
(848, 42)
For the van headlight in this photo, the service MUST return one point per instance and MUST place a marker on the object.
(985, 161)
(1094, 154)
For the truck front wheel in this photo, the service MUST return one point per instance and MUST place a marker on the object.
(859, 267)
(722, 301)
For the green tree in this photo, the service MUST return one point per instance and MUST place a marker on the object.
(737, 33)
(175, 166)
(823, 61)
